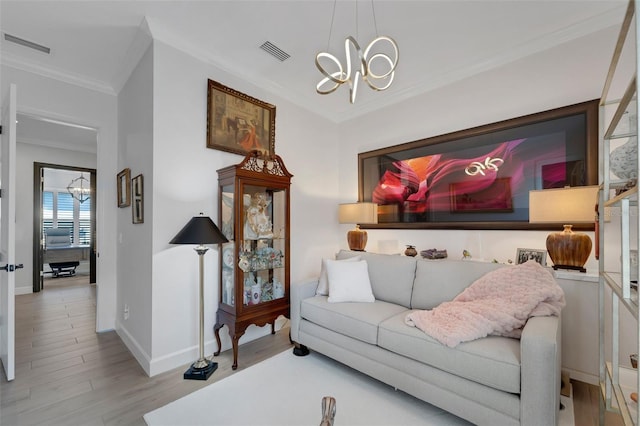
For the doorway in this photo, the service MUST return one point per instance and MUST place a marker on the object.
(64, 224)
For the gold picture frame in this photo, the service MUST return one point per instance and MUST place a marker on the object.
(137, 199)
(124, 188)
(239, 123)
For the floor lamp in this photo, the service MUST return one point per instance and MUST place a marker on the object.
(200, 230)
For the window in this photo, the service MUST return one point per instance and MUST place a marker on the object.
(65, 210)
(84, 223)
(61, 210)
(47, 210)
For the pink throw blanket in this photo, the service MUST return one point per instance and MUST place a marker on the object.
(498, 303)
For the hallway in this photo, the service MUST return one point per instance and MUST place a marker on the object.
(60, 360)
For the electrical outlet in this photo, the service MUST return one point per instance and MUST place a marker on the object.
(126, 312)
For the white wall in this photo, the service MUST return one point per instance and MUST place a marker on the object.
(520, 88)
(185, 183)
(323, 158)
(26, 155)
(46, 97)
(135, 151)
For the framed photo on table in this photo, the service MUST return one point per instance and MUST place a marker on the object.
(124, 188)
(239, 123)
(524, 254)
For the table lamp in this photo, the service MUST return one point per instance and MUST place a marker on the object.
(200, 230)
(576, 205)
(358, 213)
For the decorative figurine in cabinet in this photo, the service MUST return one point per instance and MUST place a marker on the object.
(254, 264)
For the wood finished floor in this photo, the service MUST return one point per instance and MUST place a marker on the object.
(66, 374)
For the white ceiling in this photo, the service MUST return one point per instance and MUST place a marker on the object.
(93, 42)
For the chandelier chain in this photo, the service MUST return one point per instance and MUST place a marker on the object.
(375, 22)
(333, 16)
(357, 32)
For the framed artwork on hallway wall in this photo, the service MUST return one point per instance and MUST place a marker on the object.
(124, 188)
(480, 178)
(239, 123)
(137, 199)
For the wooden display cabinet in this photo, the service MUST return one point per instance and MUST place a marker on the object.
(254, 264)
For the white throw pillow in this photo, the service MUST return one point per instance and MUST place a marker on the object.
(323, 282)
(349, 282)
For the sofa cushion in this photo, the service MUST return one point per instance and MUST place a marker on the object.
(357, 320)
(391, 275)
(348, 281)
(323, 281)
(492, 361)
(440, 281)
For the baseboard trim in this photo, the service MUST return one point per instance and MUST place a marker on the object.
(186, 356)
(136, 350)
(23, 290)
(582, 377)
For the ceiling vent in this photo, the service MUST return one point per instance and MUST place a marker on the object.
(27, 43)
(275, 51)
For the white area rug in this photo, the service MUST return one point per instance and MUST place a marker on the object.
(288, 390)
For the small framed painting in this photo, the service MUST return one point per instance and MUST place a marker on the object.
(124, 189)
(524, 254)
(137, 199)
(239, 123)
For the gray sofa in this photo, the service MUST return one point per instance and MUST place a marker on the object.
(489, 381)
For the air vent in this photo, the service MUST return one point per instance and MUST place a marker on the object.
(27, 43)
(275, 51)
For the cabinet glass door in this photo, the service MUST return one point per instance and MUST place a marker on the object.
(228, 249)
(261, 257)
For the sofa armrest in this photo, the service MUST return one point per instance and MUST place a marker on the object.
(540, 359)
(299, 292)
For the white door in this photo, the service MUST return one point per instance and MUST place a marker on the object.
(7, 234)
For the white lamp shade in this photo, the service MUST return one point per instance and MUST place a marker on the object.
(358, 213)
(563, 205)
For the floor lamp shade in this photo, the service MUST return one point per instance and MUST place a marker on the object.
(569, 206)
(358, 213)
(200, 230)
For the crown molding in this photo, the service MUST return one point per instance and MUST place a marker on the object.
(13, 61)
(160, 33)
(150, 30)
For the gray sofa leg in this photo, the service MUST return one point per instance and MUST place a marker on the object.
(300, 350)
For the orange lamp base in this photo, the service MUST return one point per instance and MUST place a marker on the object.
(568, 249)
(357, 239)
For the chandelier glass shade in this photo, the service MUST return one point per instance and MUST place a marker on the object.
(335, 74)
(80, 188)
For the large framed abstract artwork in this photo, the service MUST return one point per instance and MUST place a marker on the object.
(480, 178)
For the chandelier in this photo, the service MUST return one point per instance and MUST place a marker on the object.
(378, 81)
(80, 188)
